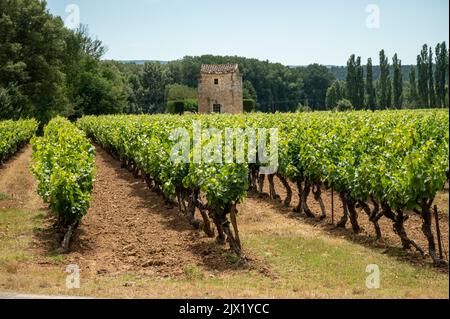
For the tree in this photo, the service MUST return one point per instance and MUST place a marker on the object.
(370, 89)
(249, 91)
(397, 84)
(441, 73)
(335, 93)
(180, 92)
(155, 78)
(31, 51)
(385, 82)
(412, 99)
(423, 80)
(93, 86)
(351, 81)
(99, 88)
(360, 86)
(432, 95)
(5, 101)
(316, 80)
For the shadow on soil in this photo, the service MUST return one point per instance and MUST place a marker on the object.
(381, 246)
(211, 255)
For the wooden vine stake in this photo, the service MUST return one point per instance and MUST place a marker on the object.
(332, 205)
(438, 231)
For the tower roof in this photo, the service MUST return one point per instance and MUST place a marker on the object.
(219, 68)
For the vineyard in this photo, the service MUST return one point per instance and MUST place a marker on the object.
(64, 168)
(307, 200)
(387, 164)
(14, 135)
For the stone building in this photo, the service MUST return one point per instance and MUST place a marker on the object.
(220, 89)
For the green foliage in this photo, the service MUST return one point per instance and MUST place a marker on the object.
(303, 108)
(13, 134)
(179, 92)
(249, 105)
(249, 91)
(5, 101)
(441, 73)
(412, 96)
(146, 141)
(31, 54)
(316, 80)
(355, 82)
(273, 86)
(385, 86)
(98, 88)
(371, 95)
(344, 105)
(155, 78)
(431, 92)
(179, 107)
(335, 93)
(397, 157)
(63, 164)
(48, 70)
(423, 79)
(397, 82)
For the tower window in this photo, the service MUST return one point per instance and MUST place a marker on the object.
(217, 108)
(216, 81)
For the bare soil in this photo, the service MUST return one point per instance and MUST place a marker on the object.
(129, 229)
(17, 183)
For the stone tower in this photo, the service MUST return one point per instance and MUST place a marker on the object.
(220, 89)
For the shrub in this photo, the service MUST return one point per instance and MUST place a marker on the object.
(179, 107)
(249, 105)
(344, 105)
(303, 108)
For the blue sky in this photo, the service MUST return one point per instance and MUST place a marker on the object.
(286, 31)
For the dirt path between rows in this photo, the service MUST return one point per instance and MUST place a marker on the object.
(129, 229)
(18, 184)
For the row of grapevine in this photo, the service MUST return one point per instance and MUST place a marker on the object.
(63, 164)
(386, 163)
(143, 143)
(13, 135)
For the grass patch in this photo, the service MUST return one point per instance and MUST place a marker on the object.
(4, 197)
(56, 258)
(232, 258)
(333, 270)
(193, 273)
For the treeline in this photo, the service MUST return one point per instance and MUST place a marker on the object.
(340, 72)
(48, 70)
(426, 87)
(273, 86)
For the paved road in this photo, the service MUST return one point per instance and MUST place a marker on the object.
(9, 295)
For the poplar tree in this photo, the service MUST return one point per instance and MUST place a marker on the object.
(412, 87)
(370, 89)
(441, 73)
(352, 91)
(397, 84)
(359, 84)
(432, 98)
(423, 81)
(385, 82)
